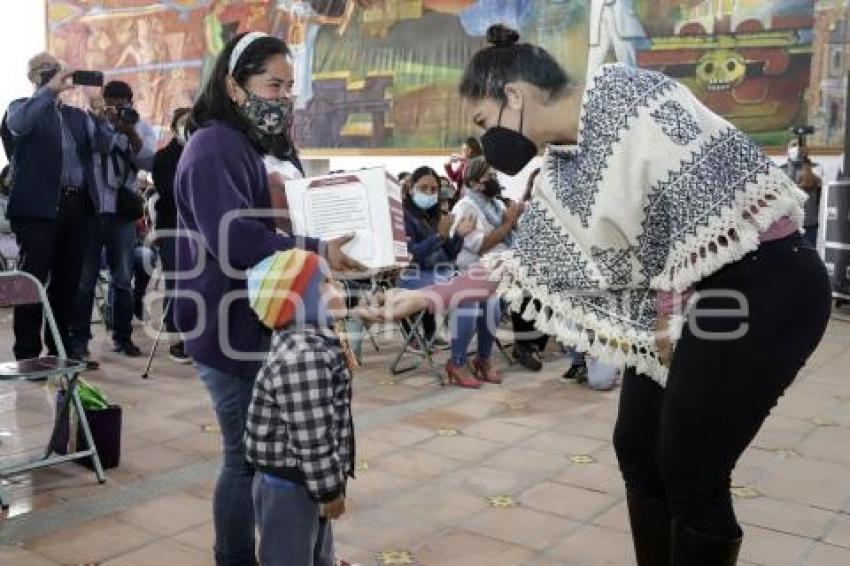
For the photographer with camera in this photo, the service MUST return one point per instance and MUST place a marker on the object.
(52, 196)
(130, 148)
(801, 170)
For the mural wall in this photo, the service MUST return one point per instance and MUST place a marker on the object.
(386, 77)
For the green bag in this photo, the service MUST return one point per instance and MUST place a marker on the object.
(92, 397)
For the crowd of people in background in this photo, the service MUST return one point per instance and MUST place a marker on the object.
(78, 186)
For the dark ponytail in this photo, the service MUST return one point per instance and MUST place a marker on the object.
(505, 61)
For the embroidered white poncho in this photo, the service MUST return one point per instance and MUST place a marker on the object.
(658, 193)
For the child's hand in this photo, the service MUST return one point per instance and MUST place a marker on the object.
(333, 509)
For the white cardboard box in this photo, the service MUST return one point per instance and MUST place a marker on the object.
(367, 202)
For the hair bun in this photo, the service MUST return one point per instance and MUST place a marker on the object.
(502, 36)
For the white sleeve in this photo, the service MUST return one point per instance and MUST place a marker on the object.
(472, 241)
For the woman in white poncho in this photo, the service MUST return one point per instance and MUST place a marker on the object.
(648, 202)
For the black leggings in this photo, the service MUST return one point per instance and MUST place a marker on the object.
(680, 443)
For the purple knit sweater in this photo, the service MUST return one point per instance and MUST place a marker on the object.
(219, 174)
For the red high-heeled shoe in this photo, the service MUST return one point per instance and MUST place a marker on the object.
(460, 377)
(484, 371)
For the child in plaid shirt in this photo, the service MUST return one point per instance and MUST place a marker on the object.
(299, 433)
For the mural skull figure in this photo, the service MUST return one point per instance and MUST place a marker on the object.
(721, 70)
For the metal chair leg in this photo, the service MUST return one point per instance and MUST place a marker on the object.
(61, 416)
(415, 333)
(84, 423)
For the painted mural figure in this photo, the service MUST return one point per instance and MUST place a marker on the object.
(213, 37)
(302, 29)
(613, 23)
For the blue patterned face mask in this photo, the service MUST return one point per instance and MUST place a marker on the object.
(424, 201)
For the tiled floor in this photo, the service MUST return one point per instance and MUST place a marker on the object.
(518, 474)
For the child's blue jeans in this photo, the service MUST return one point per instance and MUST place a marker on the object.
(291, 530)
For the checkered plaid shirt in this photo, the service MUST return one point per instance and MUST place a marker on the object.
(299, 422)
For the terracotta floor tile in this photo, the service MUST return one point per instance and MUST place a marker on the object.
(13, 556)
(377, 529)
(430, 494)
(436, 505)
(582, 425)
(90, 542)
(528, 461)
(373, 485)
(157, 459)
(460, 447)
(200, 538)
(440, 418)
(596, 477)
(809, 482)
(371, 449)
(554, 443)
(462, 548)
(204, 444)
(400, 435)
(595, 546)
(169, 514)
(162, 553)
(792, 518)
(523, 527)
(616, 518)
(479, 408)
(827, 555)
(839, 534)
(494, 431)
(566, 501)
(764, 546)
(486, 481)
(827, 443)
(415, 465)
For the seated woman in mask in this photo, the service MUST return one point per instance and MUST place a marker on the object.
(494, 232)
(432, 246)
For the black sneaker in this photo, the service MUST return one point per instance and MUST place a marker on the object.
(139, 310)
(127, 348)
(177, 353)
(438, 343)
(82, 354)
(577, 372)
(527, 358)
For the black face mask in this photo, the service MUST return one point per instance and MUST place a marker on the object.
(507, 150)
(492, 188)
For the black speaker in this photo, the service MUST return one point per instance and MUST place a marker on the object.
(836, 253)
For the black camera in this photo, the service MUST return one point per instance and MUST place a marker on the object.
(800, 131)
(128, 116)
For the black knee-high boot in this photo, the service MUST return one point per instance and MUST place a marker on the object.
(691, 548)
(651, 525)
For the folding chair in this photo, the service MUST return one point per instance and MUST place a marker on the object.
(17, 289)
(355, 290)
(415, 335)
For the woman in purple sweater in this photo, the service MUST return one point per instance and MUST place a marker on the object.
(243, 115)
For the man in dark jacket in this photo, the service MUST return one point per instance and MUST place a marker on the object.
(52, 198)
(164, 168)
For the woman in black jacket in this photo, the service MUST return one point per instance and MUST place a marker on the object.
(165, 221)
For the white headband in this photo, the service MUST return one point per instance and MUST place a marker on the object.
(242, 45)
